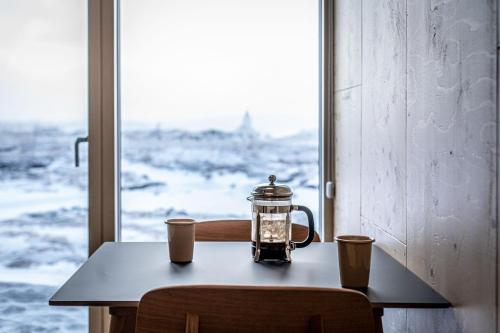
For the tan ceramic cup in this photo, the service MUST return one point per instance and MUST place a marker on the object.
(354, 260)
(180, 240)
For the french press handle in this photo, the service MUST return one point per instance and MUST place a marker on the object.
(310, 221)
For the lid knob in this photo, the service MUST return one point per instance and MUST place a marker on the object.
(271, 190)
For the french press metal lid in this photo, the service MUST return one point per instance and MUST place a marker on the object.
(271, 190)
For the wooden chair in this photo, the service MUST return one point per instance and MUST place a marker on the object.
(225, 309)
(123, 319)
(239, 231)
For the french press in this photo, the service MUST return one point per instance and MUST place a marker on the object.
(272, 222)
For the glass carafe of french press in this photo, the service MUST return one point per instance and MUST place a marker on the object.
(272, 222)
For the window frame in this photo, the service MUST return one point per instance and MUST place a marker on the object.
(102, 198)
(327, 122)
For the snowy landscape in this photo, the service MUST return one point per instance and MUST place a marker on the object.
(165, 173)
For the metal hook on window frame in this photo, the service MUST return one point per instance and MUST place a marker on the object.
(77, 149)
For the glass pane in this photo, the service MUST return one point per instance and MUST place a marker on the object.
(215, 96)
(43, 206)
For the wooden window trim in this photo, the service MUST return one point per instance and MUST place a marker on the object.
(327, 122)
(102, 136)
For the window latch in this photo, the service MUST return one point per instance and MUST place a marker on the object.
(77, 149)
(330, 190)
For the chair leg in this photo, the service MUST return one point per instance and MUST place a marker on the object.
(192, 323)
(378, 313)
(122, 319)
(316, 324)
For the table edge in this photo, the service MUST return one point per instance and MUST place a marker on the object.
(94, 303)
(135, 304)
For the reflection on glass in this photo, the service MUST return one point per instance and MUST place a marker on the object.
(215, 97)
(43, 205)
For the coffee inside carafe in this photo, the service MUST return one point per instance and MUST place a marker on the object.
(274, 235)
(271, 251)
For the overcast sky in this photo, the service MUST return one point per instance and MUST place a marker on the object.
(43, 60)
(190, 64)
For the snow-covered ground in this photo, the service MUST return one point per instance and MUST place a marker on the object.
(165, 173)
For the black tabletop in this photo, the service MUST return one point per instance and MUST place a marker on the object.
(118, 274)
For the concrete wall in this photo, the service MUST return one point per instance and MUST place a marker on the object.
(415, 133)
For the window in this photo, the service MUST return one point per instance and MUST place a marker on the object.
(43, 206)
(214, 97)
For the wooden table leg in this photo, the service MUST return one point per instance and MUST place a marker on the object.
(378, 313)
(122, 319)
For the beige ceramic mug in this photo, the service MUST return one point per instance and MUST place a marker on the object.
(180, 239)
(354, 260)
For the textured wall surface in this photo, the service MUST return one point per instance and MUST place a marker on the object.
(451, 167)
(348, 124)
(424, 125)
(348, 155)
(383, 166)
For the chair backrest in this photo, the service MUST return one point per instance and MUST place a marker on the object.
(224, 309)
(239, 231)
